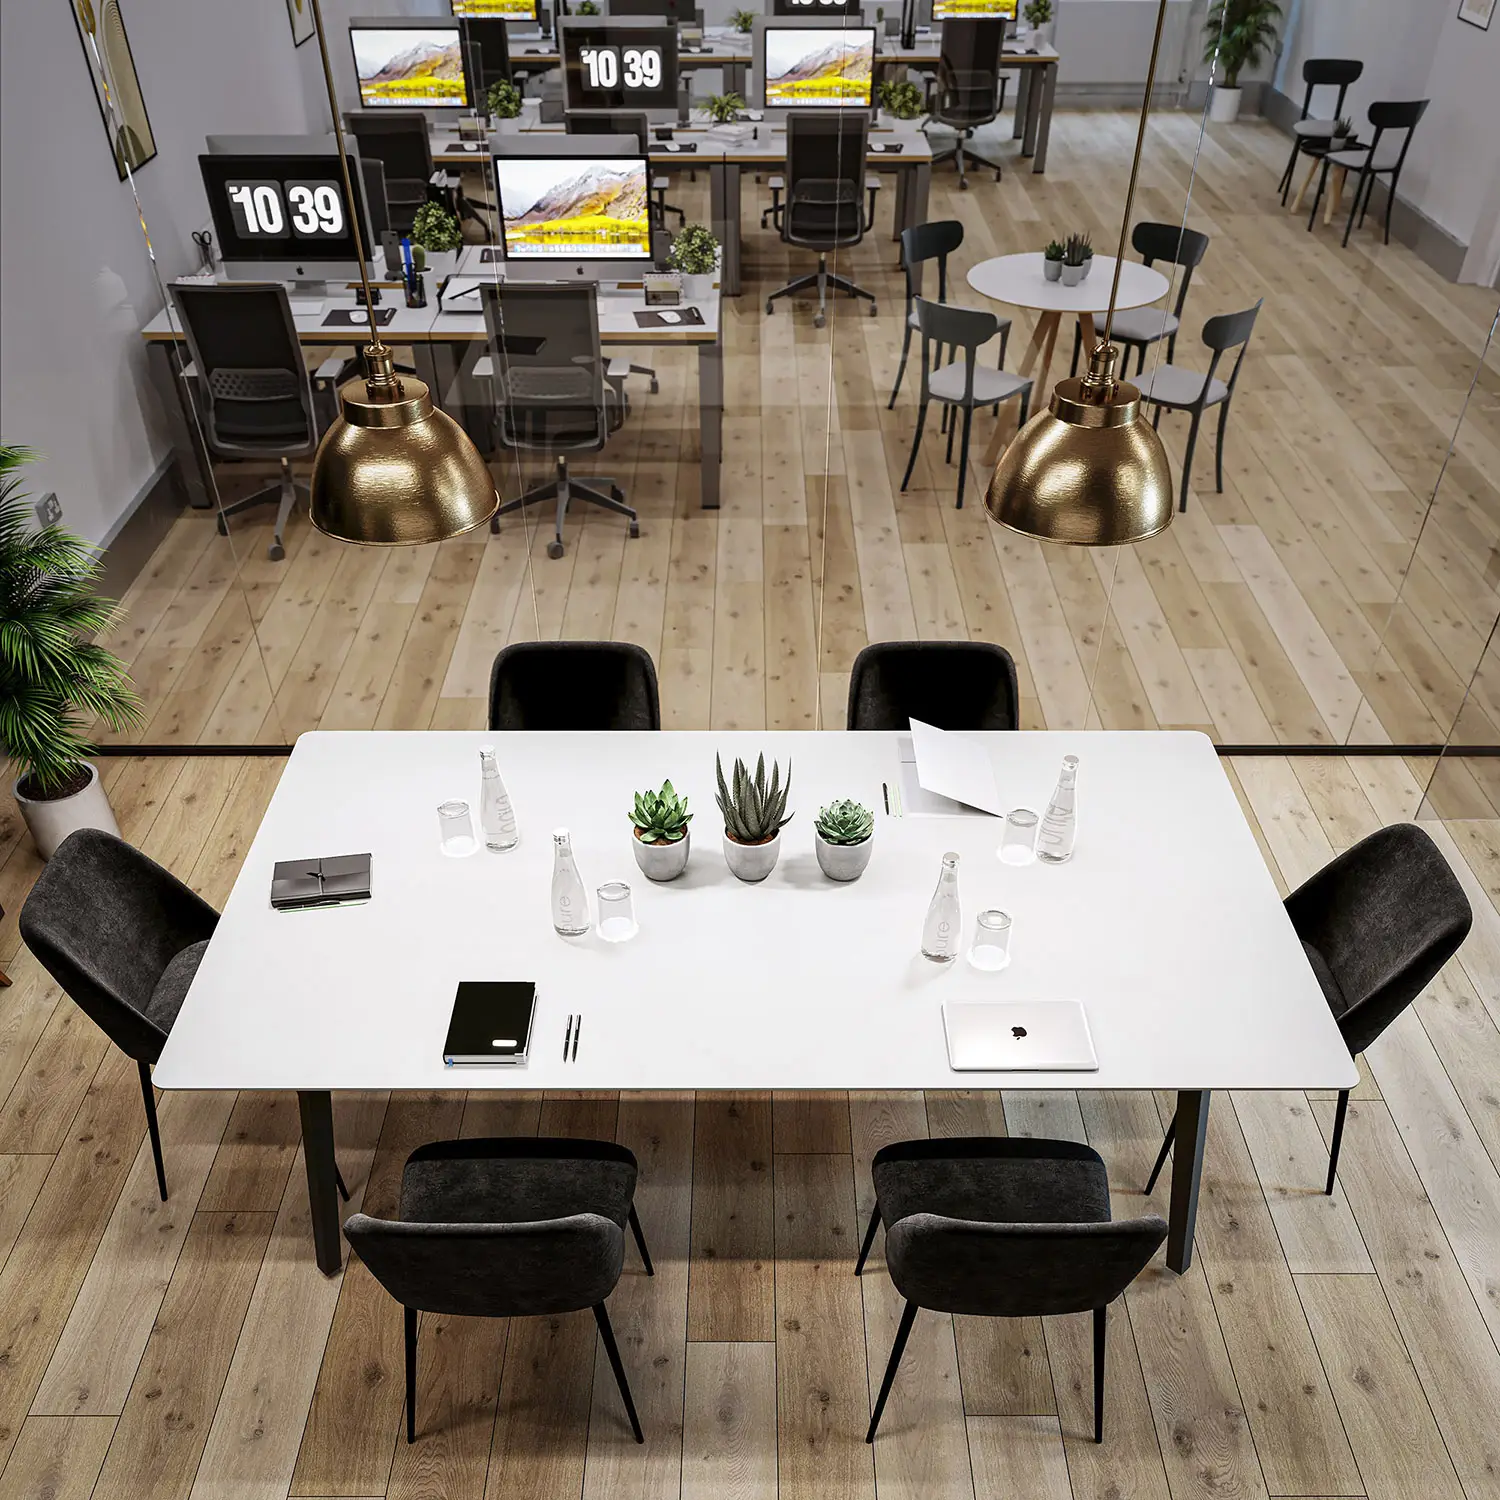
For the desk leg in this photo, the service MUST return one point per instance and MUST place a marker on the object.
(919, 189)
(1033, 114)
(711, 417)
(735, 78)
(316, 1107)
(724, 199)
(182, 432)
(1044, 118)
(1043, 342)
(1187, 1172)
(1023, 101)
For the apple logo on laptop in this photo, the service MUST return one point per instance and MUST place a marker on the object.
(1018, 1032)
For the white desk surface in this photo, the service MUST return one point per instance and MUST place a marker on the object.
(410, 323)
(1165, 924)
(1020, 281)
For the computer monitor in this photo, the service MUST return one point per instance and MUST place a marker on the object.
(404, 63)
(628, 64)
(809, 64)
(506, 10)
(489, 38)
(973, 10)
(629, 123)
(815, 7)
(684, 11)
(559, 207)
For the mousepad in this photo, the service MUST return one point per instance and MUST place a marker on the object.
(357, 317)
(688, 317)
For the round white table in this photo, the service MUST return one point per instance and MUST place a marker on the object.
(1020, 281)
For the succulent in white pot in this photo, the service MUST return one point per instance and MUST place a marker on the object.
(845, 839)
(661, 840)
(754, 814)
(55, 678)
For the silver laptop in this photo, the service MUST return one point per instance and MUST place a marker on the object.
(1026, 1036)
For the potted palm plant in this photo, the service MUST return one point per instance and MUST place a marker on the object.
(845, 837)
(52, 673)
(723, 109)
(754, 815)
(1238, 34)
(695, 254)
(661, 838)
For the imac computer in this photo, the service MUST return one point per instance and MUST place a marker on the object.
(811, 64)
(401, 64)
(580, 207)
(628, 64)
(505, 10)
(973, 10)
(629, 123)
(815, 7)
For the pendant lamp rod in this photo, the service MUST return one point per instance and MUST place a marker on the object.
(1135, 165)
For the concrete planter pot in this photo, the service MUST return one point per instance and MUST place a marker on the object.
(1051, 269)
(843, 861)
(1224, 106)
(662, 862)
(1088, 266)
(751, 862)
(50, 822)
(1071, 275)
(698, 286)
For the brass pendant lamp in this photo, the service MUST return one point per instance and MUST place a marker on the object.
(392, 470)
(1090, 471)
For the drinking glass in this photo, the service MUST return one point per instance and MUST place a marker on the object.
(991, 946)
(456, 829)
(616, 912)
(1018, 842)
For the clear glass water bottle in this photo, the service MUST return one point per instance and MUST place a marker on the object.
(940, 933)
(570, 902)
(1054, 840)
(497, 817)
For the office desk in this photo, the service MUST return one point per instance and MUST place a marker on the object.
(1166, 924)
(442, 343)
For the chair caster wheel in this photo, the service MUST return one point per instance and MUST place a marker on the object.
(770, 308)
(963, 183)
(223, 524)
(617, 493)
(819, 320)
(873, 309)
(554, 549)
(635, 528)
(275, 551)
(655, 387)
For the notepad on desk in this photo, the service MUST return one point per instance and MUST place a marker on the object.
(949, 768)
(336, 880)
(491, 1022)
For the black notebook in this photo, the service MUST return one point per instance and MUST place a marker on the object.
(338, 880)
(491, 1022)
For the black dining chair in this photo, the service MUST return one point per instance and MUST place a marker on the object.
(949, 684)
(506, 1228)
(962, 384)
(1374, 160)
(123, 938)
(1003, 1227)
(574, 685)
(1376, 924)
(1174, 388)
(1311, 134)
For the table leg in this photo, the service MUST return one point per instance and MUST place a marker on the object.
(1044, 118)
(1187, 1172)
(724, 199)
(1023, 92)
(1043, 341)
(711, 418)
(316, 1108)
(1335, 192)
(1313, 163)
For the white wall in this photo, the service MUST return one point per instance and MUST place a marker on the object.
(1395, 40)
(78, 283)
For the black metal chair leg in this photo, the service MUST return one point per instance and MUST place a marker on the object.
(963, 455)
(1338, 1139)
(338, 1181)
(1312, 218)
(1359, 190)
(148, 1094)
(640, 1241)
(1101, 1326)
(1219, 447)
(411, 1374)
(1161, 1156)
(1390, 203)
(864, 1249)
(900, 369)
(949, 413)
(601, 1317)
(916, 443)
(1078, 349)
(1187, 459)
(903, 1332)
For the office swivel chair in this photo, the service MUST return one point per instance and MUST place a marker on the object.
(551, 394)
(398, 140)
(968, 91)
(250, 387)
(825, 185)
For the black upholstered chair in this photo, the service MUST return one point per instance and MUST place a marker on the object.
(1377, 924)
(506, 1228)
(574, 685)
(1003, 1228)
(949, 684)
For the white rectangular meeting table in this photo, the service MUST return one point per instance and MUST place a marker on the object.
(1165, 924)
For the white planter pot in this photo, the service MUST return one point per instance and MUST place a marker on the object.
(51, 822)
(512, 125)
(1088, 266)
(1072, 275)
(843, 861)
(1224, 106)
(662, 862)
(441, 263)
(698, 288)
(1051, 269)
(751, 862)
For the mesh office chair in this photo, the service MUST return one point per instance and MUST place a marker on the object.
(398, 140)
(1310, 135)
(1375, 160)
(968, 91)
(251, 386)
(825, 183)
(550, 391)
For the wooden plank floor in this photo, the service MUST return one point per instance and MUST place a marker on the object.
(1319, 1346)
(1267, 613)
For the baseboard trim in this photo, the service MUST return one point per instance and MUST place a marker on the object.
(132, 540)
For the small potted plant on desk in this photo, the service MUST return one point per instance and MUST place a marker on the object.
(435, 240)
(1039, 16)
(504, 102)
(902, 98)
(1238, 34)
(661, 838)
(1052, 260)
(695, 255)
(723, 109)
(1343, 134)
(52, 670)
(587, 8)
(1078, 256)
(754, 815)
(743, 21)
(845, 837)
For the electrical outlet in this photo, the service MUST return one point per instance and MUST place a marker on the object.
(49, 509)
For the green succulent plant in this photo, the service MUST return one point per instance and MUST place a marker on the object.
(661, 817)
(723, 108)
(1054, 250)
(902, 99)
(503, 100)
(845, 822)
(743, 21)
(754, 812)
(434, 228)
(1078, 249)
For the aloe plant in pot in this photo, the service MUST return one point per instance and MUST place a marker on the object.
(845, 839)
(54, 677)
(754, 815)
(661, 837)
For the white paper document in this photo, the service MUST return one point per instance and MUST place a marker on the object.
(955, 766)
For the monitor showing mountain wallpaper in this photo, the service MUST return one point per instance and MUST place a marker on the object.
(574, 207)
(946, 10)
(407, 66)
(819, 66)
(511, 10)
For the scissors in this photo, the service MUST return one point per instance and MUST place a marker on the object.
(205, 243)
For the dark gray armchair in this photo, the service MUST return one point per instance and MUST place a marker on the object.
(574, 685)
(993, 1227)
(949, 684)
(506, 1228)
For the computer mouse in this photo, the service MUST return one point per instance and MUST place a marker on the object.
(668, 316)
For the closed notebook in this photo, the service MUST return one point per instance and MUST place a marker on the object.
(491, 1022)
(337, 880)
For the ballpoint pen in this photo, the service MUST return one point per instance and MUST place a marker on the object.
(577, 1032)
(567, 1037)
